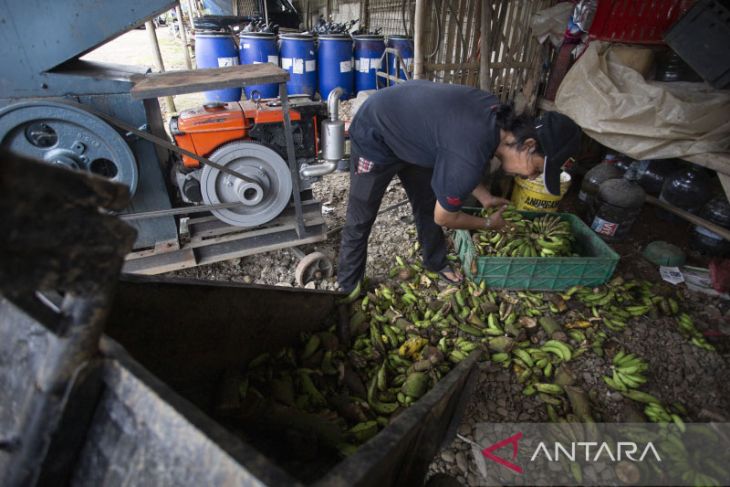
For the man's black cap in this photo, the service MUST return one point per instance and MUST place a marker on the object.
(559, 138)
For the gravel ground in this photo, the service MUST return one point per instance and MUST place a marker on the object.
(393, 234)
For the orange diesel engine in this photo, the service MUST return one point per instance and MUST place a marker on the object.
(249, 138)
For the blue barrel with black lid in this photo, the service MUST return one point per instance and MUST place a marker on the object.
(404, 46)
(299, 58)
(368, 53)
(217, 50)
(335, 63)
(257, 48)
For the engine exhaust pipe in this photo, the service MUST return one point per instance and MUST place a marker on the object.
(333, 139)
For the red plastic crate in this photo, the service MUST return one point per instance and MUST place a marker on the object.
(636, 21)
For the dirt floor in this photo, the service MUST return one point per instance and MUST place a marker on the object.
(678, 371)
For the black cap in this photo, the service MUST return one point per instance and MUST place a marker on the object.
(559, 138)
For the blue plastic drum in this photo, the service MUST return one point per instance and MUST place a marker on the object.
(368, 51)
(257, 48)
(404, 46)
(334, 58)
(298, 57)
(217, 50)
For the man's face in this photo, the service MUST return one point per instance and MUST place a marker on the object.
(522, 161)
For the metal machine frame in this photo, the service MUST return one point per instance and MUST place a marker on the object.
(125, 97)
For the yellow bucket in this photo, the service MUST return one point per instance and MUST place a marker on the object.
(531, 194)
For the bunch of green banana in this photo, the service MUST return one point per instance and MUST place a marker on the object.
(562, 351)
(668, 306)
(545, 236)
(687, 326)
(659, 414)
(627, 372)
(686, 464)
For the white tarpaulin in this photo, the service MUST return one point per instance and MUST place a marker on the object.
(646, 119)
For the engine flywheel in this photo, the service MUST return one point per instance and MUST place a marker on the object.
(263, 198)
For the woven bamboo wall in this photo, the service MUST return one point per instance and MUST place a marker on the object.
(453, 31)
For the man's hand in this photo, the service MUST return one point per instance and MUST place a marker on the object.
(486, 198)
(495, 220)
(493, 201)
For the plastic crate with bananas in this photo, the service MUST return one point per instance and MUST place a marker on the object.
(541, 251)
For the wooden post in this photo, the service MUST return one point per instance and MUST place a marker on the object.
(484, 45)
(419, 39)
(364, 14)
(152, 35)
(183, 35)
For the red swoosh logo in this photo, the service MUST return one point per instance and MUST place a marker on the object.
(514, 440)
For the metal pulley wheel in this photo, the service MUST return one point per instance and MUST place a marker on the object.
(263, 198)
(67, 136)
(313, 267)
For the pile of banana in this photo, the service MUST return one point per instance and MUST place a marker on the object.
(687, 327)
(405, 335)
(545, 236)
(627, 372)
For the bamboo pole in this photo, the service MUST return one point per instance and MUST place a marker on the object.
(419, 39)
(484, 47)
(152, 36)
(183, 36)
(721, 231)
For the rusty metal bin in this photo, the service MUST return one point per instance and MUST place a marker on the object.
(170, 345)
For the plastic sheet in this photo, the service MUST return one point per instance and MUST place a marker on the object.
(646, 119)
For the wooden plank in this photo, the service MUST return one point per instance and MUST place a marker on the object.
(466, 56)
(201, 231)
(450, 32)
(221, 252)
(434, 66)
(501, 46)
(281, 224)
(497, 42)
(523, 44)
(515, 47)
(475, 20)
(223, 248)
(442, 54)
(459, 39)
(154, 85)
(721, 231)
(159, 263)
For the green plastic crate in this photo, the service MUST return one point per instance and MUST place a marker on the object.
(595, 265)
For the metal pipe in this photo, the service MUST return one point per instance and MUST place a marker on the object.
(317, 170)
(333, 104)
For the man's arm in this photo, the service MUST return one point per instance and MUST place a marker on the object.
(460, 220)
(486, 198)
